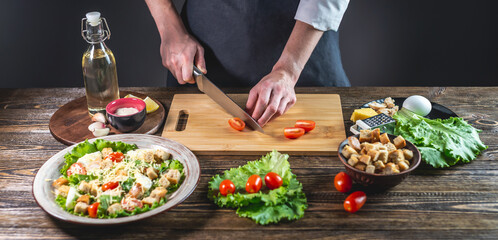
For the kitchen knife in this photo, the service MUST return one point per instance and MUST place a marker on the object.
(208, 87)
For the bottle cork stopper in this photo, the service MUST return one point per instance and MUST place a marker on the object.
(93, 18)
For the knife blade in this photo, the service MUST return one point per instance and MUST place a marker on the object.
(210, 89)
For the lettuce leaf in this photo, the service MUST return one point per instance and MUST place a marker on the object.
(267, 206)
(442, 143)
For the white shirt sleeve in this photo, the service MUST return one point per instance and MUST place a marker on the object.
(323, 15)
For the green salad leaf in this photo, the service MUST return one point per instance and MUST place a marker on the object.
(442, 143)
(86, 147)
(75, 179)
(266, 206)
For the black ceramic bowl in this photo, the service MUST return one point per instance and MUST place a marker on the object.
(379, 182)
(126, 123)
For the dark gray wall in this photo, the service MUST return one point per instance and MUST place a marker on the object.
(384, 42)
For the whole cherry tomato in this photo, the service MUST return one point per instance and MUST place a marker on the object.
(355, 201)
(237, 124)
(273, 180)
(110, 186)
(227, 187)
(116, 156)
(343, 182)
(92, 210)
(76, 168)
(293, 132)
(307, 125)
(254, 184)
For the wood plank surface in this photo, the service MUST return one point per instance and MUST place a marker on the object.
(460, 202)
(207, 131)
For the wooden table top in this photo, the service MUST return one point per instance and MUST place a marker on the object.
(456, 202)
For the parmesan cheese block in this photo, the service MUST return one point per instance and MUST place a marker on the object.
(362, 113)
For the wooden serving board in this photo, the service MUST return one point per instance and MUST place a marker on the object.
(69, 124)
(207, 131)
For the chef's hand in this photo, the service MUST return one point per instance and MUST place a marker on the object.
(179, 53)
(272, 96)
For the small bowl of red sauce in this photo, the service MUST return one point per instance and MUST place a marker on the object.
(126, 114)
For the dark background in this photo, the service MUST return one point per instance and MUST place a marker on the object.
(383, 42)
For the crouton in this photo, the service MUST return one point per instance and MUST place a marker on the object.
(384, 138)
(114, 208)
(391, 168)
(376, 135)
(106, 151)
(161, 155)
(377, 145)
(151, 173)
(390, 147)
(59, 182)
(369, 146)
(403, 166)
(173, 175)
(374, 154)
(158, 192)
(62, 190)
(379, 165)
(81, 207)
(149, 201)
(366, 136)
(366, 159)
(396, 156)
(370, 169)
(94, 190)
(347, 151)
(354, 143)
(353, 160)
(383, 156)
(163, 181)
(360, 166)
(106, 163)
(84, 187)
(84, 198)
(382, 148)
(399, 142)
(408, 154)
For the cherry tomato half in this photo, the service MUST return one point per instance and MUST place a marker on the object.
(273, 180)
(110, 186)
(237, 124)
(76, 168)
(307, 125)
(293, 132)
(343, 182)
(355, 201)
(116, 156)
(227, 187)
(254, 184)
(92, 210)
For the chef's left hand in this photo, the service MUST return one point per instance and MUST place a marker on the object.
(272, 96)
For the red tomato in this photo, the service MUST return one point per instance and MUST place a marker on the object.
(307, 125)
(293, 132)
(76, 168)
(273, 180)
(116, 156)
(355, 201)
(237, 124)
(130, 203)
(227, 187)
(343, 182)
(254, 184)
(92, 210)
(110, 186)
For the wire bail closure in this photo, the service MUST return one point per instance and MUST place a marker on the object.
(107, 31)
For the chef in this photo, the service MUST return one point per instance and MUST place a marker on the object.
(269, 45)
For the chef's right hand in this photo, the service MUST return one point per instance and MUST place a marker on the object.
(179, 53)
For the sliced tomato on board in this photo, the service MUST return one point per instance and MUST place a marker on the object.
(237, 124)
(76, 168)
(307, 125)
(293, 132)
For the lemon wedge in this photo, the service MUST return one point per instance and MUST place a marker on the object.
(150, 105)
(132, 96)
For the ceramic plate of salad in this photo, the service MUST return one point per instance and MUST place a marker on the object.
(116, 179)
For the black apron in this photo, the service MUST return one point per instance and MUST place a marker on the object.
(244, 39)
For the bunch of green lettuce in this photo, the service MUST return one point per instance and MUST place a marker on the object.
(86, 147)
(266, 206)
(442, 143)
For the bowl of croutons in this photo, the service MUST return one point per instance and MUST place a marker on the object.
(379, 161)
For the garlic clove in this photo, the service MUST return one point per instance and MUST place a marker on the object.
(99, 117)
(96, 125)
(100, 132)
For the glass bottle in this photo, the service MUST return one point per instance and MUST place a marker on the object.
(99, 65)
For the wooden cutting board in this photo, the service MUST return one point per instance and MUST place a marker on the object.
(207, 131)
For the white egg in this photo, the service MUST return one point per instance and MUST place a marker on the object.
(70, 197)
(144, 181)
(418, 104)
